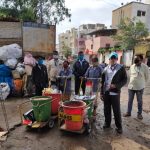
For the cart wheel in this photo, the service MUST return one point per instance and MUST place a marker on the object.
(88, 129)
(51, 124)
(28, 128)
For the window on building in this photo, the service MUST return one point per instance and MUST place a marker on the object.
(81, 43)
(138, 13)
(91, 46)
(141, 13)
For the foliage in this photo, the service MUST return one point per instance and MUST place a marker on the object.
(66, 51)
(4, 12)
(130, 31)
(111, 49)
(47, 11)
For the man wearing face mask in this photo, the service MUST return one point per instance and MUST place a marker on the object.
(54, 67)
(94, 71)
(65, 80)
(114, 77)
(139, 75)
(79, 69)
(39, 76)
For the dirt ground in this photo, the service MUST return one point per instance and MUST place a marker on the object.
(136, 133)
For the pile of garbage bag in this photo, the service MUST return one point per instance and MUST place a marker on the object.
(10, 52)
(12, 69)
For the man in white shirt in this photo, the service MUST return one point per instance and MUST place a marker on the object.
(54, 67)
(139, 75)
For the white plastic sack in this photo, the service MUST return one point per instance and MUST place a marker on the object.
(11, 63)
(4, 91)
(20, 68)
(29, 60)
(10, 51)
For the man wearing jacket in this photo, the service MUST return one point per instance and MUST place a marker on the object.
(79, 69)
(39, 77)
(114, 78)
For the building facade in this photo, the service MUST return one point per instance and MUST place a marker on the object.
(101, 39)
(83, 33)
(75, 38)
(138, 10)
(68, 39)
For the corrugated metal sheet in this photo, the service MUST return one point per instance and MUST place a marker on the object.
(36, 25)
(37, 39)
(10, 32)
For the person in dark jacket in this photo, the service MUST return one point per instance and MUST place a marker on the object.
(39, 76)
(79, 69)
(114, 77)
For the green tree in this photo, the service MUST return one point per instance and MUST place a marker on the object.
(47, 11)
(66, 51)
(130, 32)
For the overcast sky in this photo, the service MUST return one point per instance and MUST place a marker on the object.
(89, 11)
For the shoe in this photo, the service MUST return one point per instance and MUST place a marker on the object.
(127, 115)
(119, 130)
(105, 126)
(139, 116)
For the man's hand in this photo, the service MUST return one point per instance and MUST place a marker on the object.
(112, 86)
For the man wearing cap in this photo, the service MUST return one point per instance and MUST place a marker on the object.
(114, 77)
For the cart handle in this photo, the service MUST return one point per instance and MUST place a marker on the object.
(24, 103)
(40, 105)
(20, 109)
(90, 78)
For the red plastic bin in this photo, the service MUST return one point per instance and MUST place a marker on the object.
(56, 98)
(74, 108)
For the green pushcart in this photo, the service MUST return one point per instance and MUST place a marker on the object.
(40, 115)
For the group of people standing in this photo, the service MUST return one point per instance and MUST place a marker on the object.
(113, 77)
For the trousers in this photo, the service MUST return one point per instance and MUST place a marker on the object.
(139, 96)
(112, 101)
